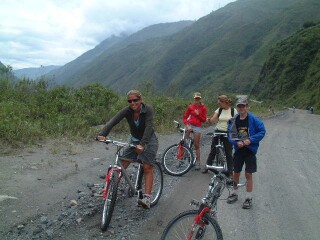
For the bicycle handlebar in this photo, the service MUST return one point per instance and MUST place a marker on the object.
(217, 169)
(221, 171)
(118, 143)
(179, 126)
(215, 134)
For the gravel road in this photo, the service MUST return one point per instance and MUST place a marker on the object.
(49, 191)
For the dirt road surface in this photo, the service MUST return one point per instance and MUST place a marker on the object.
(37, 186)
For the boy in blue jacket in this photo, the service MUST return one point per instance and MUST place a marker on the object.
(245, 132)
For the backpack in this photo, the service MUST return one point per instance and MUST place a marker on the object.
(220, 110)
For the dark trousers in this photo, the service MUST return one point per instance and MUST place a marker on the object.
(228, 150)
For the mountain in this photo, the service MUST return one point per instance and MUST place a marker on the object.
(69, 73)
(34, 73)
(291, 73)
(221, 52)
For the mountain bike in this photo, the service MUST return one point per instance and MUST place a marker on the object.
(114, 176)
(201, 223)
(220, 161)
(178, 158)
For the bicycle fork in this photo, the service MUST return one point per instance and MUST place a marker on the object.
(200, 222)
(111, 171)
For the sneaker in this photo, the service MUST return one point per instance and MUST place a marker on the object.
(145, 202)
(204, 170)
(197, 166)
(232, 198)
(247, 203)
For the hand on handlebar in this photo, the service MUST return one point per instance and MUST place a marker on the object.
(101, 138)
(139, 149)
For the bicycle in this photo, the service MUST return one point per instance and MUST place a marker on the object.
(114, 176)
(220, 161)
(178, 158)
(201, 223)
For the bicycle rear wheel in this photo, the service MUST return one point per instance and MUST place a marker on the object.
(111, 196)
(183, 227)
(157, 183)
(177, 159)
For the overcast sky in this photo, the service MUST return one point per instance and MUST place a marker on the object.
(55, 32)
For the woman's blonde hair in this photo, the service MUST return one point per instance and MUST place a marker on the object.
(134, 92)
(224, 98)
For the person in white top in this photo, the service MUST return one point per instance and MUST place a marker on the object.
(221, 116)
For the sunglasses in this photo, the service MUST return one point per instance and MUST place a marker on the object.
(133, 100)
(241, 106)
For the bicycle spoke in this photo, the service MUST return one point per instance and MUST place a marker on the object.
(184, 227)
(177, 160)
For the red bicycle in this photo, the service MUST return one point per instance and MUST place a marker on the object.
(201, 223)
(178, 158)
(114, 176)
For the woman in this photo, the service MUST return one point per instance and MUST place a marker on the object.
(140, 119)
(193, 118)
(221, 116)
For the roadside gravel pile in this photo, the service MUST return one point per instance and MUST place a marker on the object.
(85, 212)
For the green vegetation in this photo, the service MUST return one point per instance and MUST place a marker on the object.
(31, 111)
(291, 73)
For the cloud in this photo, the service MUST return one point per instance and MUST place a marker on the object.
(55, 32)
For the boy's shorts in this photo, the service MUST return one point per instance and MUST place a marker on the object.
(244, 156)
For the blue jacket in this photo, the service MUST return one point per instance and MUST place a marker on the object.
(256, 132)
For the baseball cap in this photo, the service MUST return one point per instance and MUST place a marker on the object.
(197, 95)
(242, 101)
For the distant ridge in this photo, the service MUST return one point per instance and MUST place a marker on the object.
(34, 73)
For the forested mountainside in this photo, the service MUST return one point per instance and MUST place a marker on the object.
(72, 72)
(221, 52)
(291, 73)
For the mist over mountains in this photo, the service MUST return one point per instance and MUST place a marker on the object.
(224, 51)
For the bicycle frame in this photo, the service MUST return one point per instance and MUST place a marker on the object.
(187, 141)
(216, 186)
(118, 167)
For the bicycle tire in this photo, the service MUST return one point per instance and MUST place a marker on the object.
(180, 227)
(221, 158)
(110, 200)
(157, 184)
(174, 166)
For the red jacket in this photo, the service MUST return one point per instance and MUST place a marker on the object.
(191, 117)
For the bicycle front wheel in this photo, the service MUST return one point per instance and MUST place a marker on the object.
(221, 158)
(157, 183)
(109, 203)
(183, 226)
(177, 160)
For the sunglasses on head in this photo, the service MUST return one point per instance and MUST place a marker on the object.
(133, 100)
